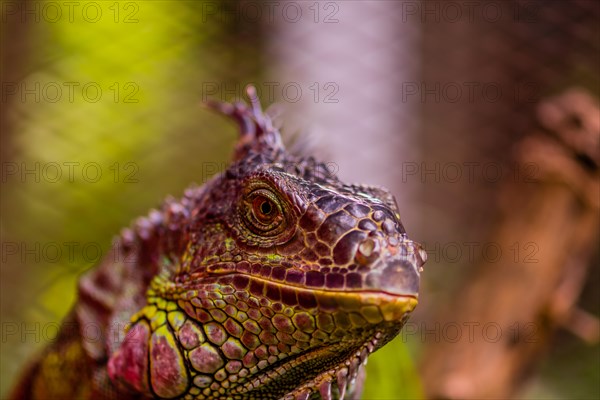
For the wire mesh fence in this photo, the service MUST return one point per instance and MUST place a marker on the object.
(101, 118)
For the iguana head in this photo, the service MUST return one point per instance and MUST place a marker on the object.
(287, 280)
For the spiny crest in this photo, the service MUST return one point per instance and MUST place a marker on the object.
(257, 134)
(260, 143)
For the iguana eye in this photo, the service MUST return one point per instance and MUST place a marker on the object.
(263, 208)
(264, 212)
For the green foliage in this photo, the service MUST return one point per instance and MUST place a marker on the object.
(391, 374)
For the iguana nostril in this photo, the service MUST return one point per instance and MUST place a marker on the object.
(367, 252)
(367, 247)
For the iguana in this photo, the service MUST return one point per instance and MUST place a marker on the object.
(273, 280)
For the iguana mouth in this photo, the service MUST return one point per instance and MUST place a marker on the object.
(391, 306)
(374, 305)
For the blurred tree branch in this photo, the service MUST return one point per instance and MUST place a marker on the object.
(549, 221)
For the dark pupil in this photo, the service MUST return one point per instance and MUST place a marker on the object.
(265, 207)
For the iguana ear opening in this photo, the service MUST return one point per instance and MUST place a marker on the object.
(257, 133)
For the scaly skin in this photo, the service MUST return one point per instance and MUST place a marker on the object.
(273, 280)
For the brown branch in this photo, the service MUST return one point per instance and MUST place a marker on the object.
(551, 225)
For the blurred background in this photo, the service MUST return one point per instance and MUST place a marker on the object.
(101, 118)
